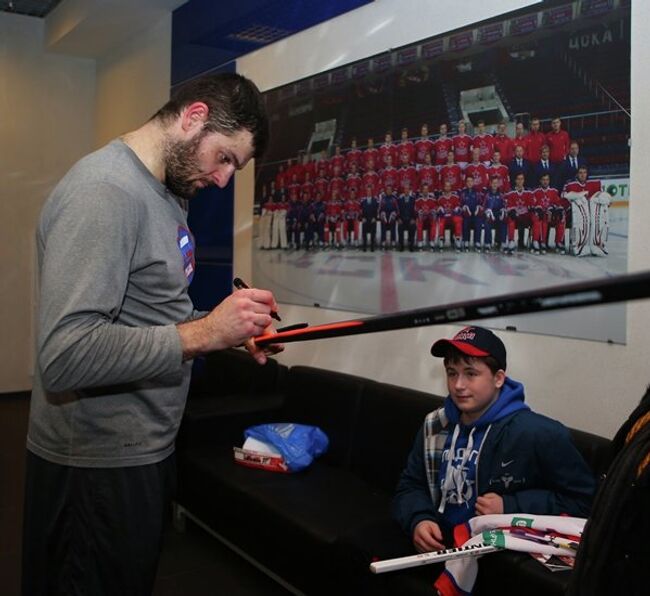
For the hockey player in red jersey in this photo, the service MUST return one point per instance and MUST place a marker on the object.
(337, 161)
(589, 215)
(423, 146)
(280, 177)
(449, 216)
(353, 181)
(520, 139)
(308, 167)
(519, 203)
(451, 173)
(462, 143)
(503, 143)
(388, 149)
(536, 139)
(552, 216)
(336, 183)
(425, 209)
(293, 188)
(371, 153)
(297, 169)
(484, 142)
(427, 174)
(351, 214)
(478, 170)
(354, 155)
(333, 217)
(371, 178)
(441, 147)
(389, 175)
(558, 141)
(500, 170)
(307, 187)
(321, 184)
(406, 149)
(407, 174)
(323, 165)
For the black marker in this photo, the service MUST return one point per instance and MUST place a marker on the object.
(241, 285)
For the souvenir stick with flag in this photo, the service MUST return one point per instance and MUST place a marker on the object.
(439, 556)
(631, 286)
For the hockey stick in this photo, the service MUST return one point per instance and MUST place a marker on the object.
(475, 550)
(632, 286)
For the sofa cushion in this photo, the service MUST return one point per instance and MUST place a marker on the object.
(288, 522)
(389, 418)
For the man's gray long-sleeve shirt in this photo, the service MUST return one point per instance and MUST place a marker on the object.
(115, 256)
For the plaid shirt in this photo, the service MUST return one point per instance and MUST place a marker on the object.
(435, 436)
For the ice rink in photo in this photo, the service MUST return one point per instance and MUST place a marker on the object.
(388, 281)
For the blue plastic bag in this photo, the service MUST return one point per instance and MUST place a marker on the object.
(299, 444)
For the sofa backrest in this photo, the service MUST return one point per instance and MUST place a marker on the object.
(326, 399)
(389, 418)
(235, 372)
(596, 450)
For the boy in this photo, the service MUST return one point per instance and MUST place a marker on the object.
(527, 461)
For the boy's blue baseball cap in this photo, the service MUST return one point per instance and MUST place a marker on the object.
(473, 341)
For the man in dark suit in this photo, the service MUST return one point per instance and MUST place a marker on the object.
(543, 167)
(519, 165)
(572, 163)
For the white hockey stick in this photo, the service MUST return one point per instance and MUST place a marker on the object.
(475, 550)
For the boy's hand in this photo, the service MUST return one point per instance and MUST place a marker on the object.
(427, 537)
(489, 503)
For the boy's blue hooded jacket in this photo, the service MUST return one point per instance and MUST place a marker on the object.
(525, 457)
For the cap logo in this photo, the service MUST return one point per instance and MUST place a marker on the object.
(465, 335)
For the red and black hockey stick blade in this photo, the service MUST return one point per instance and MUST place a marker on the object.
(631, 286)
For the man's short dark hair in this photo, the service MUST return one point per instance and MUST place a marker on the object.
(454, 356)
(234, 103)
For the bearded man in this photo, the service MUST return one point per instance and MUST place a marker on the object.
(117, 333)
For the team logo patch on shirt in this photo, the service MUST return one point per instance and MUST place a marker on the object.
(186, 246)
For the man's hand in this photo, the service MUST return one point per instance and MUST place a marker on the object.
(489, 503)
(241, 316)
(260, 354)
(427, 537)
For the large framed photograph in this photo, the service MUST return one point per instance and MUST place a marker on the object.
(488, 160)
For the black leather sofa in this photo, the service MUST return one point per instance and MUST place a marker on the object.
(319, 529)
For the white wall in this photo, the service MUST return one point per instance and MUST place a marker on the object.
(133, 81)
(587, 385)
(56, 108)
(46, 124)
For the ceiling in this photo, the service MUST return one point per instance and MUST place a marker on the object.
(205, 37)
(205, 34)
(32, 8)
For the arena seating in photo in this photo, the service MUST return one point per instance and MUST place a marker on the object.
(544, 78)
(318, 529)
